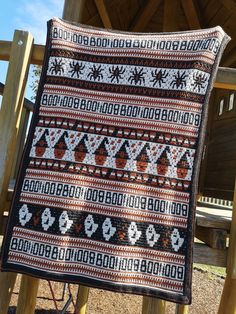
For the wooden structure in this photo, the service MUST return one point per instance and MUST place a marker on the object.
(144, 16)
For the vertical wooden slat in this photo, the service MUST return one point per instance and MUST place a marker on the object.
(11, 108)
(24, 120)
(228, 298)
(153, 306)
(7, 283)
(82, 299)
(27, 296)
(74, 10)
(102, 10)
(181, 309)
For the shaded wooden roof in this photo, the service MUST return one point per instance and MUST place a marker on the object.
(158, 16)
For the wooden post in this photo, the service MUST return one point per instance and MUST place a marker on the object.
(27, 296)
(73, 10)
(82, 300)
(181, 309)
(20, 143)
(11, 108)
(228, 298)
(7, 283)
(153, 306)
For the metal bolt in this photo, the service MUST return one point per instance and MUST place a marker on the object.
(20, 42)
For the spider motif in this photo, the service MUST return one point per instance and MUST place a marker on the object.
(158, 77)
(137, 77)
(116, 73)
(96, 73)
(179, 80)
(57, 67)
(199, 81)
(76, 68)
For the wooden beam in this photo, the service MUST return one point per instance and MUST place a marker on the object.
(36, 57)
(191, 14)
(144, 15)
(226, 77)
(74, 10)
(214, 238)
(171, 11)
(213, 218)
(230, 58)
(230, 5)
(102, 10)
(203, 254)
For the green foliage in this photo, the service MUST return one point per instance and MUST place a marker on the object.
(36, 72)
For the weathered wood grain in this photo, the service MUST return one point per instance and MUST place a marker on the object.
(11, 108)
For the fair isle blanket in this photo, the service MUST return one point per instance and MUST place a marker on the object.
(106, 192)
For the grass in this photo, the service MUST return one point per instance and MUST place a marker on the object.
(211, 270)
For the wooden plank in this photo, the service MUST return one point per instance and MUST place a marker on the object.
(153, 306)
(27, 295)
(230, 5)
(74, 10)
(209, 11)
(102, 9)
(213, 218)
(226, 78)
(214, 238)
(171, 11)
(36, 57)
(20, 142)
(229, 58)
(220, 18)
(11, 108)
(191, 14)
(144, 15)
(202, 254)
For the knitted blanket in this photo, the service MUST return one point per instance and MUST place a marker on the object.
(106, 191)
